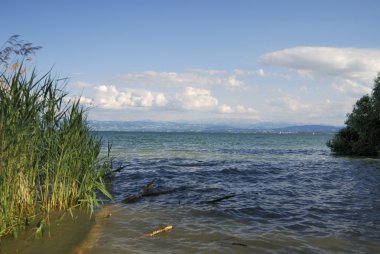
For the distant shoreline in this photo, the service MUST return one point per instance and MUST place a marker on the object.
(150, 126)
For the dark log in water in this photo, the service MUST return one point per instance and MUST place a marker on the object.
(147, 191)
(132, 199)
(214, 201)
(157, 193)
(118, 169)
(136, 197)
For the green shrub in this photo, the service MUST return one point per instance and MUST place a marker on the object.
(361, 136)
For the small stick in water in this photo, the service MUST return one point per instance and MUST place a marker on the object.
(160, 230)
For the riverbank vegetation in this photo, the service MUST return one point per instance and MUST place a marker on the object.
(48, 156)
(361, 136)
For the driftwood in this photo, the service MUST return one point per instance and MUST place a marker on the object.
(239, 244)
(157, 193)
(214, 201)
(235, 243)
(132, 198)
(118, 169)
(147, 191)
(159, 230)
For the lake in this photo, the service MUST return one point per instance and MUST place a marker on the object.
(230, 193)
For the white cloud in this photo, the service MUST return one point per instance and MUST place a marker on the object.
(201, 100)
(208, 71)
(224, 108)
(82, 99)
(146, 99)
(356, 64)
(161, 100)
(239, 109)
(244, 110)
(241, 72)
(289, 103)
(111, 97)
(351, 87)
(86, 101)
(196, 98)
(260, 73)
(232, 82)
(154, 78)
(324, 110)
(192, 78)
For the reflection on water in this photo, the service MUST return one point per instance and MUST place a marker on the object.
(286, 193)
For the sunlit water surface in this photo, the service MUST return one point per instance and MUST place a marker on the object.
(289, 195)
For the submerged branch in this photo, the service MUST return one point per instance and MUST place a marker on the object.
(147, 191)
(220, 199)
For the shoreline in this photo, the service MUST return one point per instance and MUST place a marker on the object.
(95, 232)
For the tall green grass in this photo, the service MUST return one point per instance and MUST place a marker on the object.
(48, 157)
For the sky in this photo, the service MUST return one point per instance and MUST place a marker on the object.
(205, 61)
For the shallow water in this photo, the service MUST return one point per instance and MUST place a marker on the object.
(289, 195)
(64, 233)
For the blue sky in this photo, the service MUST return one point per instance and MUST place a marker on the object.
(206, 61)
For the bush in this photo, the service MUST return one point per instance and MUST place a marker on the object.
(361, 136)
(48, 157)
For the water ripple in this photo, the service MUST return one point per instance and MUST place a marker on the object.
(287, 195)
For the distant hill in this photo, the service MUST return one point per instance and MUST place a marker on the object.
(309, 128)
(152, 126)
(149, 126)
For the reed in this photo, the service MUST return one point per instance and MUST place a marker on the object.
(49, 160)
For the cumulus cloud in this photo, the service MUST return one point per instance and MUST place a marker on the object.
(187, 101)
(356, 64)
(196, 98)
(111, 97)
(201, 99)
(243, 110)
(224, 108)
(239, 109)
(232, 82)
(161, 100)
(189, 98)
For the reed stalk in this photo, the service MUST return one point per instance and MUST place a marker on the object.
(49, 160)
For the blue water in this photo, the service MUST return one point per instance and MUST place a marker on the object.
(282, 194)
(289, 194)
